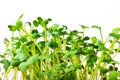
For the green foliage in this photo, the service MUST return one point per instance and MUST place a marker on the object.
(22, 66)
(15, 62)
(97, 27)
(52, 44)
(32, 60)
(21, 56)
(17, 26)
(71, 53)
(54, 52)
(6, 63)
(116, 30)
(113, 75)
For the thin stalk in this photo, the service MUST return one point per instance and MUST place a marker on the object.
(106, 39)
(85, 72)
(21, 78)
(33, 49)
(24, 30)
(83, 34)
(45, 39)
(78, 72)
(24, 74)
(112, 44)
(101, 34)
(5, 76)
(32, 74)
(64, 44)
(97, 66)
(100, 59)
(117, 51)
(76, 60)
(14, 74)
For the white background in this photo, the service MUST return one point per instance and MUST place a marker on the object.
(104, 13)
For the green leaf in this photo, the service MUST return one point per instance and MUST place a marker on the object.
(48, 33)
(70, 53)
(41, 44)
(6, 63)
(52, 44)
(103, 70)
(15, 62)
(12, 27)
(117, 36)
(40, 74)
(32, 60)
(35, 35)
(54, 27)
(74, 32)
(34, 31)
(42, 57)
(29, 23)
(64, 27)
(56, 33)
(86, 38)
(23, 39)
(118, 74)
(107, 58)
(20, 16)
(91, 60)
(113, 75)
(50, 72)
(94, 39)
(116, 30)
(61, 65)
(84, 27)
(97, 27)
(18, 25)
(1, 55)
(45, 22)
(72, 67)
(35, 23)
(23, 66)
(15, 38)
(17, 44)
(21, 56)
(39, 19)
(100, 45)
